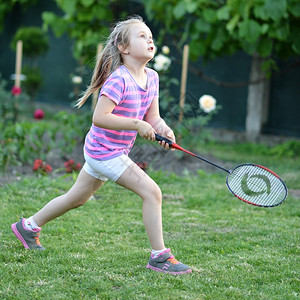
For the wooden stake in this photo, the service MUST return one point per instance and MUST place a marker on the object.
(185, 62)
(18, 68)
(96, 94)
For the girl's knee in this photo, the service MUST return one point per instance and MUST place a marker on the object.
(75, 201)
(153, 193)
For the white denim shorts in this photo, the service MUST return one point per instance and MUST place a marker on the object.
(106, 169)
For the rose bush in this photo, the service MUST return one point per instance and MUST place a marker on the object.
(40, 167)
(161, 63)
(207, 103)
(71, 166)
(39, 114)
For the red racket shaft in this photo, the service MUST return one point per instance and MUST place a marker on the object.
(176, 146)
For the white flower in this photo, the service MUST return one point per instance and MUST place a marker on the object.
(207, 103)
(165, 50)
(161, 62)
(77, 79)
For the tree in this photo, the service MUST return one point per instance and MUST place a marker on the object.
(265, 29)
(86, 22)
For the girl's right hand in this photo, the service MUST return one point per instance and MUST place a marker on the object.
(146, 131)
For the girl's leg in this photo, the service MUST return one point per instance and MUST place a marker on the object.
(136, 180)
(84, 187)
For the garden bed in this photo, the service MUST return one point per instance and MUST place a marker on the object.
(149, 155)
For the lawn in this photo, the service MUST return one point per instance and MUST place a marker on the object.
(100, 250)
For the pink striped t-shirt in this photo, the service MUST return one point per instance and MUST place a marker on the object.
(131, 102)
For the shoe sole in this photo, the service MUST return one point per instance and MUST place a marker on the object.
(163, 271)
(18, 235)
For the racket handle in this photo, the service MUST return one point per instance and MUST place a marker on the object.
(160, 138)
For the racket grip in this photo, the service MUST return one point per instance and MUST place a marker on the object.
(160, 138)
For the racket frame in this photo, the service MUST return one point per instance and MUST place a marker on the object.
(249, 202)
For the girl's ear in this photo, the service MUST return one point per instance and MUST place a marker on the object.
(123, 49)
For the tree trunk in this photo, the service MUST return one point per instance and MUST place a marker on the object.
(258, 100)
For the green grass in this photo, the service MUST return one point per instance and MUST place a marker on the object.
(100, 250)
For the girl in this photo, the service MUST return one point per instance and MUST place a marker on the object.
(127, 105)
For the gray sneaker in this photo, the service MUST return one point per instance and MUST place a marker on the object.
(167, 263)
(29, 238)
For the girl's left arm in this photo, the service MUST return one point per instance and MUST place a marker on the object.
(154, 119)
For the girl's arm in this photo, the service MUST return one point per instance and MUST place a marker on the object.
(104, 118)
(160, 126)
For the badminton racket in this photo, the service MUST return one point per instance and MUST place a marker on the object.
(251, 183)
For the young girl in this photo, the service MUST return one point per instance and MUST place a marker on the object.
(127, 105)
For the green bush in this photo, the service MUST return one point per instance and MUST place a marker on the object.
(23, 142)
(10, 105)
(35, 41)
(33, 81)
(290, 149)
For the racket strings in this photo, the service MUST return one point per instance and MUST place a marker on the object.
(257, 190)
(256, 185)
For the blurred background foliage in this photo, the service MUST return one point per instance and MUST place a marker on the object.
(220, 34)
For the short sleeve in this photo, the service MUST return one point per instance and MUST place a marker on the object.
(113, 88)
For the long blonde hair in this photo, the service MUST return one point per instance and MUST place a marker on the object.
(110, 58)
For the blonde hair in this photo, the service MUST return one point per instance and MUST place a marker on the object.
(110, 58)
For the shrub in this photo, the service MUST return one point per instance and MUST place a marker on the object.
(290, 149)
(40, 167)
(22, 142)
(33, 81)
(11, 103)
(71, 166)
(35, 42)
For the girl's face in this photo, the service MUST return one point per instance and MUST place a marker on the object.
(141, 44)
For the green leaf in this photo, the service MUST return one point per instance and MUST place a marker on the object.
(58, 25)
(260, 13)
(281, 32)
(271, 9)
(294, 9)
(276, 8)
(232, 23)
(19, 129)
(48, 18)
(202, 26)
(249, 48)
(179, 10)
(85, 15)
(268, 66)
(265, 28)
(223, 13)
(197, 49)
(219, 40)
(296, 46)
(209, 15)
(86, 3)
(249, 30)
(265, 47)
(69, 7)
(191, 6)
